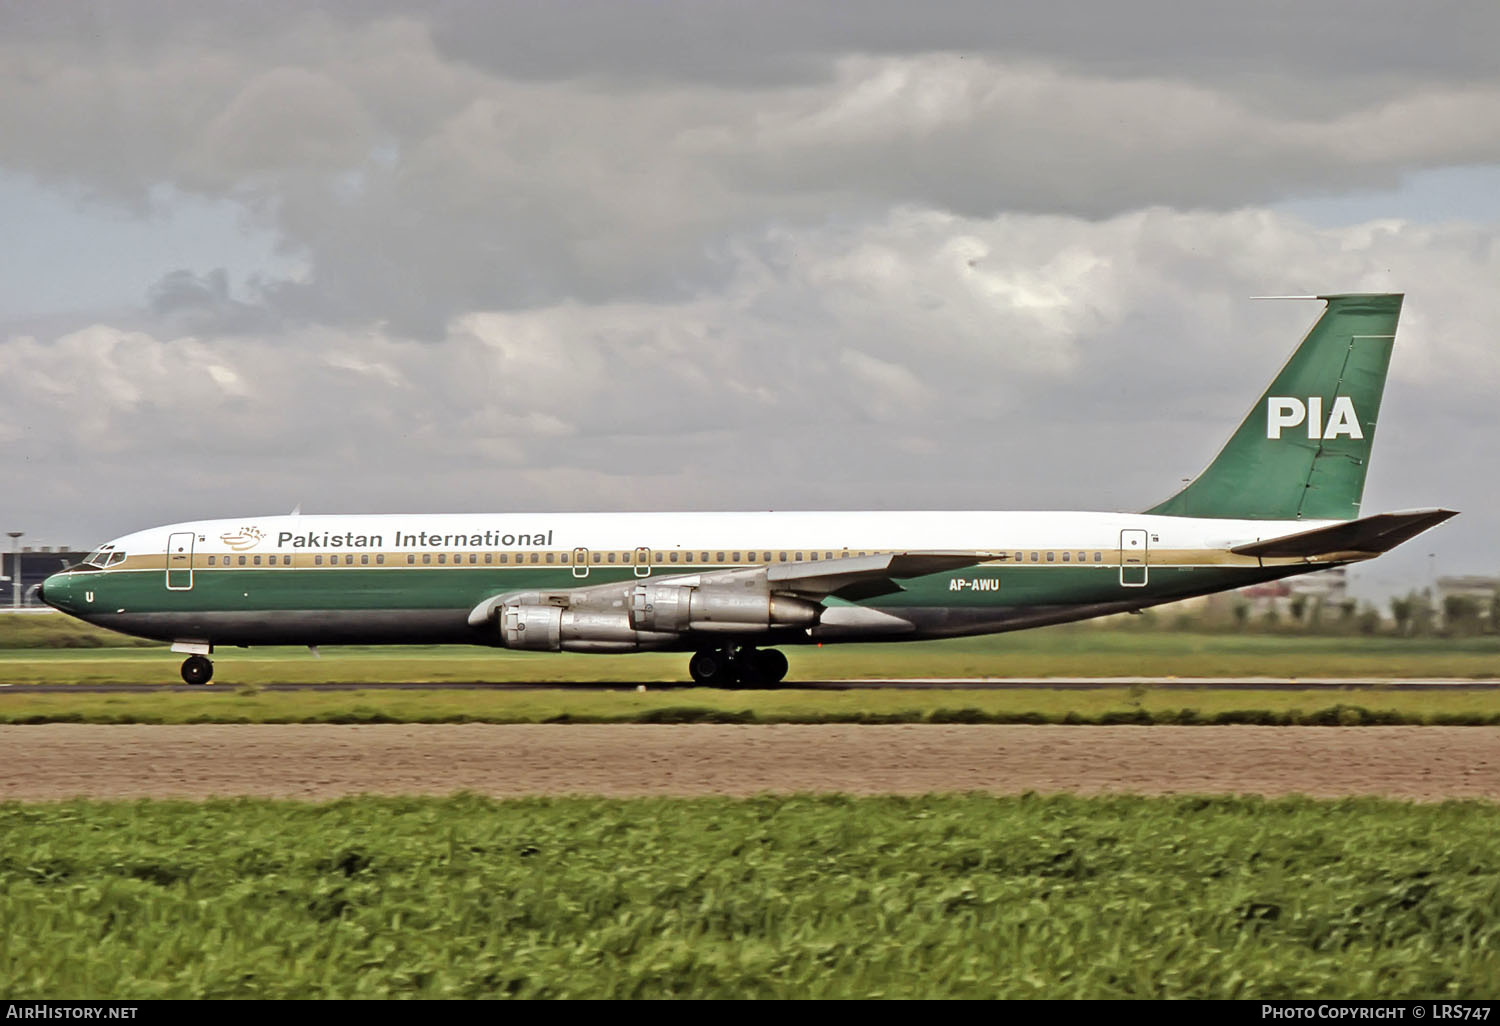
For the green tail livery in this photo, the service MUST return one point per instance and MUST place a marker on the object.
(1281, 498)
(1303, 450)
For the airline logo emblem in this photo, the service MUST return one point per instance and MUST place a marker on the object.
(1289, 412)
(247, 538)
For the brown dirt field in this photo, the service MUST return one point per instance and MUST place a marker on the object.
(320, 762)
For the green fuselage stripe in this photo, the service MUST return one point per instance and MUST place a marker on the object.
(463, 587)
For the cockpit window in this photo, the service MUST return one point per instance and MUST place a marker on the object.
(104, 556)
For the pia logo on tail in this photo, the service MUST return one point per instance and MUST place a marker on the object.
(1288, 411)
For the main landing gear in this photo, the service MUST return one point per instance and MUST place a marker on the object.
(746, 666)
(197, 669)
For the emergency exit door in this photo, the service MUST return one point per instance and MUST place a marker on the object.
(180, 561)
(1134, 548)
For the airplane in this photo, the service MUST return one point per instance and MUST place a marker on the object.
(1281, 498)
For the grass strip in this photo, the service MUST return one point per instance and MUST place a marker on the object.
(1140, 705)
(800, 897)
(1051, 652)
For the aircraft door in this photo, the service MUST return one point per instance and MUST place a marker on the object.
(180, 561)
(1134, 549)
(643, 562)
(580, 562)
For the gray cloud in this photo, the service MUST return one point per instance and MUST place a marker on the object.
(925, 360)
(479, 156)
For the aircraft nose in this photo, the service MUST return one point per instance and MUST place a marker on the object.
(54, 591)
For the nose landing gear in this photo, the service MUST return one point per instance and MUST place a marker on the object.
(746, 666)
(197, 669)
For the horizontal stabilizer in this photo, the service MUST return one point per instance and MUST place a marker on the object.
(1379, 533)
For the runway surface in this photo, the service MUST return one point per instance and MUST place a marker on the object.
(323, 761)
(923, 683)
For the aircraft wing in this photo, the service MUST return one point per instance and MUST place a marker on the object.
(1379, 533)
(857, 577)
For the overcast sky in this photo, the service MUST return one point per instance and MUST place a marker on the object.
(706, 255)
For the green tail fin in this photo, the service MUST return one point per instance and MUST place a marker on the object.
(1303, 450)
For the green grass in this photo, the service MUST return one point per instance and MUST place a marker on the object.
(54, 630)
(1072, 651)
(962, 896)
(927, 705)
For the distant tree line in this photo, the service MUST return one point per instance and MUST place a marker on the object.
(1413, 615)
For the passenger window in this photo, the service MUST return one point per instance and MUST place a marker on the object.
(612, 556)
(1098, 557)
(210, 560)
(687, 557)
(489, 558)
(551, 556)
(705, 557)
(718, 557)
(1018, 557)
(443, 557)
(504, 557)
(410, 558)
(1083, 557)
(814, 556)
(768, 557)
(257, 561)
(598, 556)
(799, 556)
(536, 557)
(1034, 557)
(659, 557)
(1065, 556)
(349, 559)
(380, 558)
(317, 560)
(1049, 556)
(783, 557)
(426, 558)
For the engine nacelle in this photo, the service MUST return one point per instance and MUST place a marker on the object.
(553, 629)
(729, 603)
(528, 626)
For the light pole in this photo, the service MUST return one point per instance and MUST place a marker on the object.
(15, 568)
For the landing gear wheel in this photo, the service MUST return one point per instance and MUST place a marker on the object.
(197, 670)
(771, 665)
(710, 667)
(759, 668)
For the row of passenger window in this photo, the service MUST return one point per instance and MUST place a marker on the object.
(639, 557)
(1053, 557)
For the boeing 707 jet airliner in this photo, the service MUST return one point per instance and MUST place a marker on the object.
(1281, 498)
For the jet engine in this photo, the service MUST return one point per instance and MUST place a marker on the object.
(628, 618)
(556, 628)
(732, 603)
